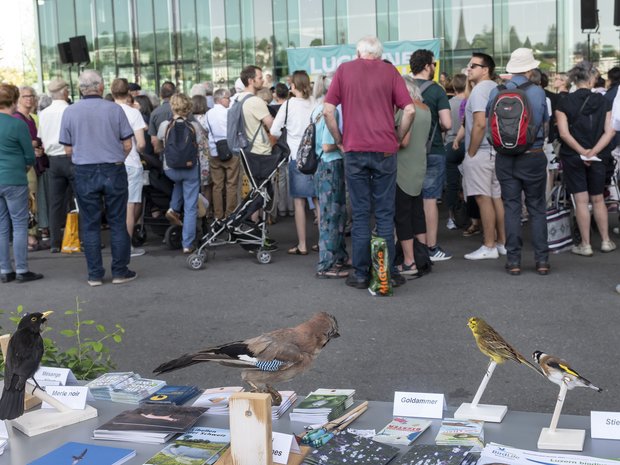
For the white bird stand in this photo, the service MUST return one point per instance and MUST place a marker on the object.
(557, 438)
(484, 412)
(43, 420)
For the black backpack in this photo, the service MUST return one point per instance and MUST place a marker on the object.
(307, 158)
(180, 144)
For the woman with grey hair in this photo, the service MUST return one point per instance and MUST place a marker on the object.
(584, 123)
(330, 190)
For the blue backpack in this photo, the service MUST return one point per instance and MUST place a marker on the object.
(180, 145)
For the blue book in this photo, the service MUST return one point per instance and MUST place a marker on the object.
(78, 453)
(176, 395)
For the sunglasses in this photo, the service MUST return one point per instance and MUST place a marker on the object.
(475, 65)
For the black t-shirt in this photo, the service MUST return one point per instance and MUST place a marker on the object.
(586, 112)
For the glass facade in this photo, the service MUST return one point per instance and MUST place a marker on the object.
(189, 41)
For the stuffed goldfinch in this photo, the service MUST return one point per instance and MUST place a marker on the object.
(558, 371)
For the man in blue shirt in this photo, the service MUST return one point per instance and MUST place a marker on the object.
(97, 136)
(526, 172)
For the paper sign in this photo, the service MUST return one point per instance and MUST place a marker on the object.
(72, 396)
(48, 376)
(605, 425)
(283, 445)
(418, 404)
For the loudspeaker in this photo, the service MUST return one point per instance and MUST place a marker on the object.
(64, 50)
(79, 50)
(588, 14)
(617, 13)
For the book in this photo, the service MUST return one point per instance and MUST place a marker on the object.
(151, 424)
(496, 453)
(461, 432)
(101, 388)
(85, 454)
(322, 406)
(217, 399)
(428, 454)
(198, 446)
(351, 449)
(402, 431)
(176, 395)
(135, 390)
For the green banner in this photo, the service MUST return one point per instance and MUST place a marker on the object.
(322, 60)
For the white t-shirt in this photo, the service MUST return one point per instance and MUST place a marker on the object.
(299, 112)
(49, 127)
(615, 113)
(137, 123)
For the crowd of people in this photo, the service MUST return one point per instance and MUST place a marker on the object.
(390, 149)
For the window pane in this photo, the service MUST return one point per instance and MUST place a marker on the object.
(50, 59)
(164, 36)
(263, 31)
(280, 32)
(122, 26)
(233, 38)
(362, 19)
(248, 55)
(66, 20)
(203, 31)
(146, 37)
(415, 19)
(188, 50)
(218, 32)
(105, 58)
(311, 22)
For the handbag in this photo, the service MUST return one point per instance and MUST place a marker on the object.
(221, 146)
(71, 237)
(281, 147)
(559, 230)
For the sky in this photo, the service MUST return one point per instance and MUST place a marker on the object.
(17, 28)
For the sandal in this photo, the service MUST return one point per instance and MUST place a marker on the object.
(513, 269)
(472, 230)
(332, 273)
(37, 246)
(315, 248)
(296, 251)
(543, 268)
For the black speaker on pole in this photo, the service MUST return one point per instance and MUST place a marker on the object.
(79, 50)
(617, 13)
(588, 14)
(64, 50)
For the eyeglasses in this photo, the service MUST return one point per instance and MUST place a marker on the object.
(475, 65)
(27, 96)
(434, 63)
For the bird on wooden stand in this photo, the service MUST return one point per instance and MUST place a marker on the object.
(558, 371)
(493, 345)
(23, 356)
(272, 357)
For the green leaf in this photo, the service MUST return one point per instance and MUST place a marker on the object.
(70, 312)
(100, 328)
(88, 322)
(68, 332)
(118, 338)
(97, 347)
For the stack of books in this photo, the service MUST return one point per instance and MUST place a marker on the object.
(198, 446)
(149, 424)
(461, 433)
(288, 399)
(217, 399)
(176, 395)
(102, 387)
(78, 453)
(402, 431)
(323, 405)
(430, 454)
(349, 448)
(136, 390)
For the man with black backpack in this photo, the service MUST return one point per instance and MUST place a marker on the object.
(522, 167)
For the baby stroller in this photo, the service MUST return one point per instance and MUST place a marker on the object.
(238, 228)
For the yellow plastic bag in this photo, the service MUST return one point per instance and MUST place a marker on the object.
(71, 238)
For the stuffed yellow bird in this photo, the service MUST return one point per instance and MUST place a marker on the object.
(495, 346)
(558, 371)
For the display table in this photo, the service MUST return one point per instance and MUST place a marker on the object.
(518, 429)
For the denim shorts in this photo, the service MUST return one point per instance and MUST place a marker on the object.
(300, 185)
(432, 188)
(134, 183)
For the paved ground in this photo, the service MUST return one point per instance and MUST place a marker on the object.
(415, 341)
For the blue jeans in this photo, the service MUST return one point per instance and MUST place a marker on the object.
(371, 180)
(185, 192)
(14, 209)
(95, 183)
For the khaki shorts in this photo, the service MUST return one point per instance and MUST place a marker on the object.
(479, 176)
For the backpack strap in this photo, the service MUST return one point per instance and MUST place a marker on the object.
(525, 85)
(426, 85)
(260, 124)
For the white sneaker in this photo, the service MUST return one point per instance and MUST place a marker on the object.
(608, 246)
(137, 252)
(483, 253)
(501, 249)
(451, 224)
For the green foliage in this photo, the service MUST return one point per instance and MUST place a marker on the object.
(88, 353)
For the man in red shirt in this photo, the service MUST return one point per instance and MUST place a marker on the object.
(368, 90)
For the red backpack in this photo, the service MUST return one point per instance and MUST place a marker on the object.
(511, 129)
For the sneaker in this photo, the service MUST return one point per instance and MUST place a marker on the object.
(137, 252)
(584, 250)
(483, 253)
(357, 283)
(616, 230)
(8, 277)
(451, 224)
(95, 282)
(501, 249)
(437, 254)
(408, 270)
(130, 276)
(397, 280)
(174, 217)
(27, 276)
(608, 246)
(188, 250)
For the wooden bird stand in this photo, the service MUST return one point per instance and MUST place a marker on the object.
(557, 438)
(484, 412)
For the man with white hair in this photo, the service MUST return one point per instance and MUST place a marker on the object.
(97, 136)
(368, 90)
(60, 172)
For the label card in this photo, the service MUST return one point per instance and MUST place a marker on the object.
(418, 404)
(283, 445)
(605, 425)
(48, 376)
(72, 396)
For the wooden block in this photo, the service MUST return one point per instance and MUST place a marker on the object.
(293, 459)
(250, 429)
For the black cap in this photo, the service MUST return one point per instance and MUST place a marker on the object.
(133, 86)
